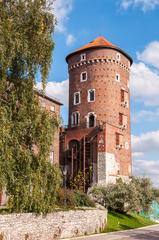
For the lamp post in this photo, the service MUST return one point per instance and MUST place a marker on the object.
(65, 175)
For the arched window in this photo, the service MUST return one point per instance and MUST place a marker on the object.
(91, 120)
(75, 119)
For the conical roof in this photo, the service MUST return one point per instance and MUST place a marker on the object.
(99, 42)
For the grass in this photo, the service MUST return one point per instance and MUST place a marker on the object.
(118, 222)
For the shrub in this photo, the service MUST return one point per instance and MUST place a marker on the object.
(68, 196)
(136, 195)
(73, 199)
(83, 200)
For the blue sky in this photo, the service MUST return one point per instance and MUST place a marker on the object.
(133, 26)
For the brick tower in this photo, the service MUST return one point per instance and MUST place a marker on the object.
(98, 133)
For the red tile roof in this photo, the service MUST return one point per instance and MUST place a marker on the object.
(99, 41)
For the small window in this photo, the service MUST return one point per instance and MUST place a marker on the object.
(124, 98)
(52, 156)
(91, 95)
(91, 120)
(123, 120)
(119, 140)
(120, 119)
(52, 108)
(117, 77)
(83, 76)
(83, 57)
(76, 98)
(118, 57)
(75, 119)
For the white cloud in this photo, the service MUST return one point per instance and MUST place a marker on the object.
(147, 168)
(147, 142)
(57, 90)
(144, 84)
(144, 4)
(151, 54)
(70, 40)
(143, 145)
(62, 9)
(137, 154)
(145, 115)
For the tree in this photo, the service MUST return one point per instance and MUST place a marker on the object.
(26, 45)
(135, 195)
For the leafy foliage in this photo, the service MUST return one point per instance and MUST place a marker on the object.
(135, 195)
(81, 182)
(26, 46)
(156, 194)
(73, 199)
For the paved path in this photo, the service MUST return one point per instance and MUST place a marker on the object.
(146, 233)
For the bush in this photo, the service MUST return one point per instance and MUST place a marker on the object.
(73, 199)
(136, 195)
(68, 196)
(83, 200)
(156, 194)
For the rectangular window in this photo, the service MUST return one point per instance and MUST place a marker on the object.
(124, 98)
(119, 140)
(83, 76)
(120, 119)
(76, 98)
(123, 120)
(91, 95)
(52, 108)
(83, 57)
(52, 156)
(117, 77)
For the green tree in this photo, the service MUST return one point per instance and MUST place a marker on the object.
(26, 45)
(135, 195)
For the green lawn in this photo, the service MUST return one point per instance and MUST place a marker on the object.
(118, 221)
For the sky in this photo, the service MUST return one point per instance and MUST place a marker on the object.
(132, 25)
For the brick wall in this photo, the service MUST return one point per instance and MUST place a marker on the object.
(102, 66)
(58, 225)
(53, 108)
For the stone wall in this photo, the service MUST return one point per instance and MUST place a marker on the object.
(57, 225)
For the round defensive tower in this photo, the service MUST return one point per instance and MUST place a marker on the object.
(99, 94)
(98, 84)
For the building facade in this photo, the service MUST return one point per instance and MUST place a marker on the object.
(98, 133)
(53, 106)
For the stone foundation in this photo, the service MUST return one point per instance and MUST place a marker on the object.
(57, 225)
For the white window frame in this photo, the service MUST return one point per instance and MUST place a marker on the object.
(87, 119)
(74, 99)
(117, 75)
(52, 108)
(88, 95)
(118, 57)
(83, 56)
(74, 116)
(82, 75)
(52, 155)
